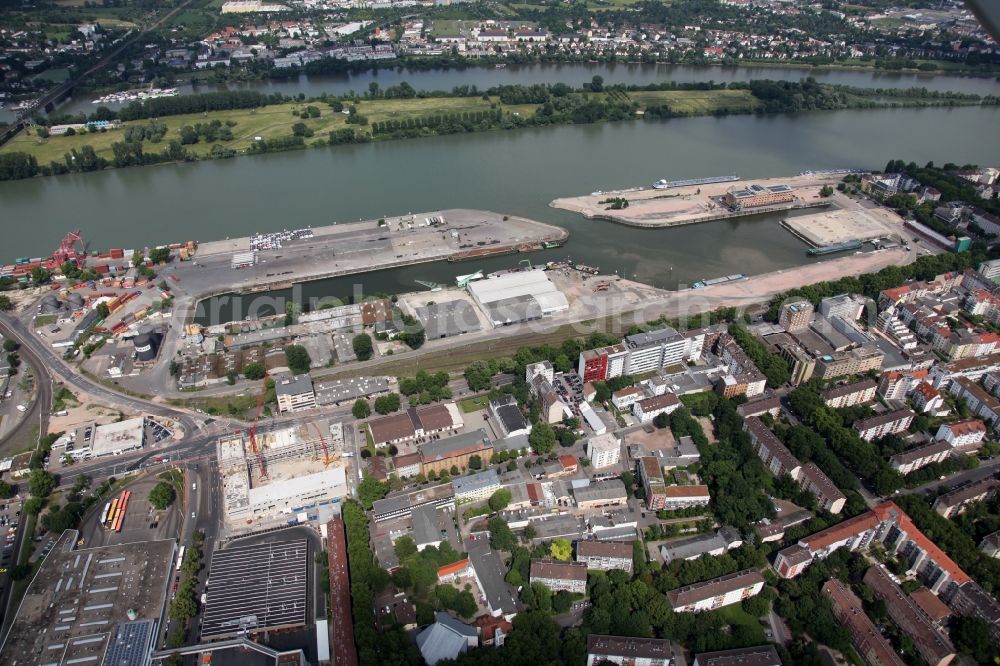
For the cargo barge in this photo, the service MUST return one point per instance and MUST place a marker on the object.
(834, 247)
(691, 182)
(701, 284)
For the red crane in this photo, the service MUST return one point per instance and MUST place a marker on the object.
(326, 451)
(67, 250)
(253, 431)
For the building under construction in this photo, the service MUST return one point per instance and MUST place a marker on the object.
(290, 472)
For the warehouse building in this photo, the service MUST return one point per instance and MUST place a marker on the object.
(256, 589)
(116, 438)
(444, 320)
(519, 296)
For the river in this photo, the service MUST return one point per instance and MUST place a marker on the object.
(576, 74)
(516, 172)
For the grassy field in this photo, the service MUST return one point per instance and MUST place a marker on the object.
(736, 616)
(697, 102)
(474, 404)
(267, 122)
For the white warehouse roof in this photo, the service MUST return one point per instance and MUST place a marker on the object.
(287, 494)
(533, 283)
(118, 437)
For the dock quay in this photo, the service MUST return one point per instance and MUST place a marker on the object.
(840, 230)
(340, 249)
(720, 199)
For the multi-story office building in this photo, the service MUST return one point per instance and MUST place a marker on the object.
(603, 363)
(795, 316)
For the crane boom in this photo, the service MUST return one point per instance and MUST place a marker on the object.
(253, 430)
(326, 451)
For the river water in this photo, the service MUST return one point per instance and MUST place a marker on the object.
(517, 172)
(576, 74)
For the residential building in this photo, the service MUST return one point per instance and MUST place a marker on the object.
(896, 385)
(828, 496)
(604, 450)
(554, 410)
(294, 394)
(407, 465)
(648, 409)
(602, 364)
(761, 655)
(868, 641)
(651, 476)
(605, 555)
(540, 369)
(849, 395)
(661, 348)
(956, 501)
(716, 593)
(601, 494)
(979, 402)
(786, 515)
(508, 416)
(493, 631)
(966, 434)
(795, 316)
(888, 423)
(971, 599)
(990, 545)
(624, 398)
(556, 575)
(855, 361)
(691, 548)
(629, 651)
(931, 644)
(442, 454)
(927, 399)
(770, 405)
(476, 487)
(922, 456)
(683, 497)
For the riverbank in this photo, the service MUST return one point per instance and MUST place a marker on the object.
(322, 122)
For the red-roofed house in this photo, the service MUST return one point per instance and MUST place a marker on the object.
(569, 464)
(454, 570)
(927, 399)
(962, 434)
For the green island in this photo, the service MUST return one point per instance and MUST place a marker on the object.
(227, 124)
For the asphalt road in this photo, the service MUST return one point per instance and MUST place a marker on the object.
(37, 415)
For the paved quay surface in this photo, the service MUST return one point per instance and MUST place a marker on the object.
(688, 205)
(357, 247)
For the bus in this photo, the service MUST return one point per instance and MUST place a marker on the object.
(112, 513)
(180, 558)
(104, 513)
(122, 507)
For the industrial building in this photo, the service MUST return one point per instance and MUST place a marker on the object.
(444, 320)
(255, 589)
(758, 196)
(291, 471)
(508, 416)
(519, 296)
(441, 455)
(116, 438)
(402, 505)
(92, 605)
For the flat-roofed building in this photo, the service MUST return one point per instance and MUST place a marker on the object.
(402, 504)
(761, 655)
(867, 640)
(664, 347)
(476, 486)
(758, 196)
(605, 555)
(855, 361)
(604, 450)
(629, 651)
(294, 394)
(932, 645)
(600, 494)
(119, 437)
(651, 476)
(922, 456)
(683, 497)
(442, 454)
(888, 423)
(448, 319)
(603, 363)
(716, 593)
(795, 316)
(556, 575)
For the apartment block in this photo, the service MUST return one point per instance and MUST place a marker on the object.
(848, 395)
(604, 451)
(867, 640)
(605, 555)
(955, 501)
(556, 575)
(879, 426)
(648, 409)
(855, 361)
(966, 434)
(922, 456)
(629, 651)
(716, 593)
(795, 316)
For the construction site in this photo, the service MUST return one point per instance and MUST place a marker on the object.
(282, 476)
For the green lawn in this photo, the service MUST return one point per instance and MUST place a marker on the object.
(697, 102)
(267, 122)
(474, 404)
(735, 615)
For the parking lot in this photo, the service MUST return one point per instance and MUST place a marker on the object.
(142, 522)
(10, 519)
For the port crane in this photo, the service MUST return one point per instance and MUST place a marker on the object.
(68, 252)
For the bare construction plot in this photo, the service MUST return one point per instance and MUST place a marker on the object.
(257, 588)
(839, 226)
